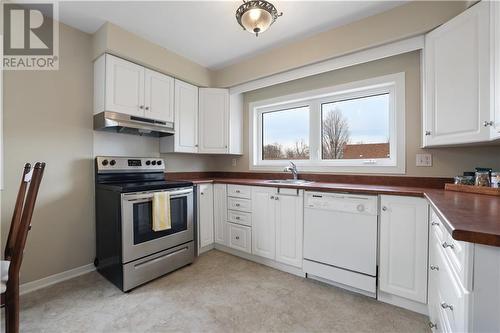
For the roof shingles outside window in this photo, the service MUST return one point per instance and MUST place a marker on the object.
(366, 150)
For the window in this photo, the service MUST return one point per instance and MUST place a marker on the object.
(356, 127)
(286, 134)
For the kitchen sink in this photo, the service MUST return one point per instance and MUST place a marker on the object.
(290, 181)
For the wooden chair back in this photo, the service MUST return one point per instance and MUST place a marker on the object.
(12, 305)
(18, 209)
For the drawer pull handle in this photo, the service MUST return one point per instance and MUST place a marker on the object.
(435, 223)
(237, 205)
(434, 268)
(445, 245)
(237, 237)
(447, 306)
(432, 325)
(237, 217)
(237, 191)
(272, 197)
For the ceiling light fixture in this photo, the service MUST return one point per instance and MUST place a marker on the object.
(256, 16)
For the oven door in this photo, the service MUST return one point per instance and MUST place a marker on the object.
(138, 237)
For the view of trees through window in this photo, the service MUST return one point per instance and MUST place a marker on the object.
(286, 134)
(356, 128)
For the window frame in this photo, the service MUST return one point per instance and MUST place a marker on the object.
(394, 84)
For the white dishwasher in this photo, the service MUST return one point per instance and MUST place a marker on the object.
(340, 239)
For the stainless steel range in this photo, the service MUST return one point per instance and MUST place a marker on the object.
(128, 251)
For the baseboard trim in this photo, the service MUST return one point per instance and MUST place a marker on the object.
(403, 303)
(264, 261)
(56, 278)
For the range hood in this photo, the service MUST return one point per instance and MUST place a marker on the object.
(123, 123)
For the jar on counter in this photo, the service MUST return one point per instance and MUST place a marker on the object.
(495, 179)
(464, 180)
(482, 178)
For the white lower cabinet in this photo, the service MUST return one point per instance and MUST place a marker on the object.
(220, 214)
(264, 221)
(205, 215)
(289, 228)
(240, 237)
(404, 247)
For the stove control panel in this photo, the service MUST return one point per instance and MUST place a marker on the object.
(129, 164)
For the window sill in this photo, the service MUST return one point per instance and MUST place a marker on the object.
(359, 169)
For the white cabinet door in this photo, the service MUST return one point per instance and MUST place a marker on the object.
(214, 120)
(159, 96)
(495, 50)
(263, 221)
(124, 87)
(457, 79)
(404, 247)
(206, 214)
(236, 124)
(289, 226)
(220, 214)
(186, 118)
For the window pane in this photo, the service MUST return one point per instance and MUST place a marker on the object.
(356, 128)
(285, 134)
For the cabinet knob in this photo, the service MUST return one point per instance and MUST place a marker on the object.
(237, 191)
(147, 108)
(434, 268)
(444, 305)
(384, 208)
(237, 237)
(272, 197)
(141, 107)
(427, 133)
(488, 123)
(237, 217)
(432, 325)
(196, 145)
(276, 198)
(237, 205)
(201, 193)
(435, 223)
(445, 245)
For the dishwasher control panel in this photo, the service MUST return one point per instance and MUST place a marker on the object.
(348, 203)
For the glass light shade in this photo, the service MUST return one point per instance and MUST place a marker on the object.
(256, 20)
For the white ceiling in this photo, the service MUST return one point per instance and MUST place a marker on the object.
(206, 32)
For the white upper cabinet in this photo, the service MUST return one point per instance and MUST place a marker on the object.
(124, 87)
(159, 96)
(124, 84)
(264, 221)
(289, 226)
(495, 45)
(458, 85)
(404, 247)
(185, 139)
(214, 120)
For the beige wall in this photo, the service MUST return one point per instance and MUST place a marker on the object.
(446, 161)
(113, 39)
(405, 21)
(47, 117)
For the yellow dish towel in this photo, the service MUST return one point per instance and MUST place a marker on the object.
(161, 211)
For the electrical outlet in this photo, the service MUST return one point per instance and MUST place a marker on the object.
(424, 160)
(233, 162)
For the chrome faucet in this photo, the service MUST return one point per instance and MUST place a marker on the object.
(293, 169)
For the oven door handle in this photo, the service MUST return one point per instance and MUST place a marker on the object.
(148, 196)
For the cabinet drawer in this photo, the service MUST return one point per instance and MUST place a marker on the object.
(240, 237)
(451, 296)
(243, 205)
(239, 191)
(437, 227)
(460, 258)
(239, 217)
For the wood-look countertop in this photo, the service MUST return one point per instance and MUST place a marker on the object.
(468, 217)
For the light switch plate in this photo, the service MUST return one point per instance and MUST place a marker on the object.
(233, 162)
(424, 160)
